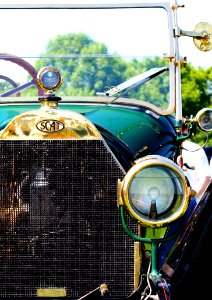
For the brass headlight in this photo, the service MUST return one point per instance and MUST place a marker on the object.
(154, 191)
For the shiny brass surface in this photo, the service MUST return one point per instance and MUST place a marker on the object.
(51, 292)
(104, 289)
(205, 43)
(119, 198)
(137, 263)
(49, 122)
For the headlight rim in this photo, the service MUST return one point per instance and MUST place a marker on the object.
(201, 114)
(140, 164)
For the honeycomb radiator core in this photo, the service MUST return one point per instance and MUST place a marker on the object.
(59, 222)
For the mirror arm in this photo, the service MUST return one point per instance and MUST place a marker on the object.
(179, 32)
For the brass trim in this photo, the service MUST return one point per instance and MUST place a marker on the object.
(137, 264)
(119, 202)
(51, 292)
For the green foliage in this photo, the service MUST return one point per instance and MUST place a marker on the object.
(197, 94)
(84, 75)
(157, 91)
(4, 87)
(196, 89)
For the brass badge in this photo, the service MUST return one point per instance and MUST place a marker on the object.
(51, 292)
(50, 125)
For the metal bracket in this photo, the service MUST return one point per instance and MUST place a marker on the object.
(202, 35)
(198, 35)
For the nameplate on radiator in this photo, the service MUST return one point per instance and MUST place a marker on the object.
(51, 292)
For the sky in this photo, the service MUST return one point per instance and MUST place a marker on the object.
(188, 17)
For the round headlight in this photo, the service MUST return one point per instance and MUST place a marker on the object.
(204, 119)
(154, 191)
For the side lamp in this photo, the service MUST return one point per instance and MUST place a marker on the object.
(204, 119)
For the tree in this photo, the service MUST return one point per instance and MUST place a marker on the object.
(197, 94)
(196, 89)
(84, 76)
(155, 91)
(87, 75)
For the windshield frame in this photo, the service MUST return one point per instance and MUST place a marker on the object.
(164, 5)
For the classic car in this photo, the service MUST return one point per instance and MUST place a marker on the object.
(90, 136)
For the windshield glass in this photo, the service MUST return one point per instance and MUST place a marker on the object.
(95, 49)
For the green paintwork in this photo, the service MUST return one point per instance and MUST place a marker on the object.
(136, 128)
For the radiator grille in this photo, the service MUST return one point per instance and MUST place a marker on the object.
(59, 222)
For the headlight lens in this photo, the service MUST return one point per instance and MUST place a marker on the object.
(155, 191)
(204, 119)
